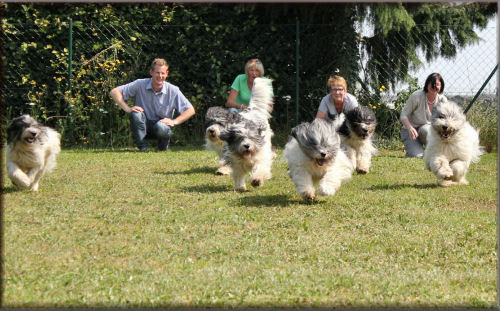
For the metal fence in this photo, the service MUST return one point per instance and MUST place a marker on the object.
(120, 53)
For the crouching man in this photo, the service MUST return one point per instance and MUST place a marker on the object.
(155, 102)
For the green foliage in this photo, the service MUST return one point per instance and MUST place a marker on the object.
(206, 46)
(483, 116)
(387, 108)
(438, 29)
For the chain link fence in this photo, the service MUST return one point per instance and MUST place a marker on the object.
(105, 56)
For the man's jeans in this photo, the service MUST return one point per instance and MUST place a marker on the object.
(141, 127)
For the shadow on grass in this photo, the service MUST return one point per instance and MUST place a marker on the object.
(208, 188)
(403, 186)
(266, 200)
(194, 170)
(11, 189)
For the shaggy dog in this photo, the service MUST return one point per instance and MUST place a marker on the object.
(216, 119)
(32, 150)
(452, 144)
(249, 146)
(356, 134)
(315, 158)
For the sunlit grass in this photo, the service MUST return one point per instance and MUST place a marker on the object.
(125, 229)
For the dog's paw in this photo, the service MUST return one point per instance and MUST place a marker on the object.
(322, 190)
(241, 188)
(444, 172)
(224, 170)
(447, 183)
(362, 171)
(463, 181)
(308, 196)
(256, 182)
(34, 187)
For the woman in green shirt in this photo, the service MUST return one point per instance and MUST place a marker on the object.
(241, 89)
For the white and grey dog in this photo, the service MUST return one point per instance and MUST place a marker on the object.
(248, 140)
(315, 158)
(31, 150)
(356, 134)
(452, 144)
(216, 119)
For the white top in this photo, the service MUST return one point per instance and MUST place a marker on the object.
(416, 109)
(327, 105)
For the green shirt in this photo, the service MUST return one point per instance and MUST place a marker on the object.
(240, 85)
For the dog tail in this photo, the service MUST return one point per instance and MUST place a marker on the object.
(262, 96)
(338, 121)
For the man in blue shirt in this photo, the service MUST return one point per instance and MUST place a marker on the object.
(155, 102)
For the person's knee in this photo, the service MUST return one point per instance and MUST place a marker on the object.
(162, 131)
(422, 133)
(137, 117)
(232, 109)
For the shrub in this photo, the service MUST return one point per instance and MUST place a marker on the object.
(483, 116)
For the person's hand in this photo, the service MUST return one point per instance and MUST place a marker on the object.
(168, 122)
(413, 133)
(136, 109)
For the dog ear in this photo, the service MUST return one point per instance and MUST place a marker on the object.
(226, 135)
(299, 130)
(15, 129)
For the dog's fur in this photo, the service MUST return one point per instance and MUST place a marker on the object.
(216, 119)
(315, 158)
(32, 149)
(356, 134)
(452, 144)
(248, 140)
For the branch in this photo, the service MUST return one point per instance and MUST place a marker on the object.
(101, 52)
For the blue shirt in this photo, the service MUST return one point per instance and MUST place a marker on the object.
(156, 105)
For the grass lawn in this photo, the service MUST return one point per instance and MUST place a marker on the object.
(125, 229)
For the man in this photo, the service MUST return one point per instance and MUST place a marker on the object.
(155, 102)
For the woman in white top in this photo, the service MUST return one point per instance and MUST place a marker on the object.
(338, 100)
(416, 115)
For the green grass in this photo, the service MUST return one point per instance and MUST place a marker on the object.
(124, 229)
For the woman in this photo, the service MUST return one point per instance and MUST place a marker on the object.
(416, 115)
(241, 89)
(337, 100)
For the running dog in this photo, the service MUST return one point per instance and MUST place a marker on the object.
(315, 158)
(452, 144)
(356, 134)
(216, 119)
(248, 140)
(32, 149)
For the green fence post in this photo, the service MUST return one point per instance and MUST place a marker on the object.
(481, 89)
(70, 75)
(297, 76)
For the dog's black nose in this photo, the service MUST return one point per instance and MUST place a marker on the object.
(33, 133)
(211, 131)
(247, 146)
(364, 130)
(322, 154)
(445, 127)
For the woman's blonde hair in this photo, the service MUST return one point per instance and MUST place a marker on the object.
(254, 63)
(336, 80)
(158, 62)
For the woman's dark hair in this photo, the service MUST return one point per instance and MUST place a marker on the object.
(432, 78)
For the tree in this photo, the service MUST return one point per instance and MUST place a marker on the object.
(438, 29)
